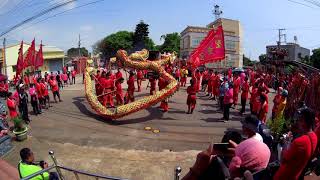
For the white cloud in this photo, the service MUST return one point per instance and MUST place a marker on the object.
(68, 6)
(86, 28)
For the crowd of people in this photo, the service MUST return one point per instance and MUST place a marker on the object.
(32, 89)
(254, 152)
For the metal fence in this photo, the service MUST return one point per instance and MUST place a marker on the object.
(76, 173)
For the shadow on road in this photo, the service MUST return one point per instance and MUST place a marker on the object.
(153, 112)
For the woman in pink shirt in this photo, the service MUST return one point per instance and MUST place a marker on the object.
(228, 101)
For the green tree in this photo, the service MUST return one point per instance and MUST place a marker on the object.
(315, 58)
(262, 57)
(112, 43)
(149, 44)
(141, 37)
(74, 52)
(171, 43)
(247, 61)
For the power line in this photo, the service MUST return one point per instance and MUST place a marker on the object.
(14, 8)
(55, 15)
(301, 3)
(36, 16)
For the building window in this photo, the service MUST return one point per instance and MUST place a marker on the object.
(196, 41)
(231, 45)
(14, 68)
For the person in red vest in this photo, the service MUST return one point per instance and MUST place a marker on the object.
(130, 92)
(45, 93)
(119, 93)
(108, 87)
(164, 104)
(98, 86)
(139, 79)
(55, 89)
(244, 95)
(236, 89)
(192, 98)
(73, 74)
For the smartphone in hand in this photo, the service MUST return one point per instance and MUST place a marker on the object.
(221, 147)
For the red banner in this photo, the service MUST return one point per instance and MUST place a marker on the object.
(211, 49)
(30, 57)
(39, 58)
(20, 64)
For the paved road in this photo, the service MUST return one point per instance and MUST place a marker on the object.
(73, 121)
(83, 140)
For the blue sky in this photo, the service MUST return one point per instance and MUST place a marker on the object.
(259, 18)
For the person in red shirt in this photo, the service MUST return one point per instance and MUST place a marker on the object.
(26, 81)
(164, 104)
(236, 89)
(276, 101)
(244, 95)
(119, 93)
(39, 93)
(262, 115)
(295, 157)
(130, 92)
(55, 89)
(177, 74)
(198, 76)
(229, 73)
(108, 87)
(153, 82)
(204, 80)
(119, 74)
(209, 89)
(192, 98)
(139, 79)
(228, 101)
(73, 74)
(215, 85)
(12, 106)
(254, 102)
(64, 70)
(45, 93)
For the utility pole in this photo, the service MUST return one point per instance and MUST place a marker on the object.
(280, 36)
(79, 46)
(4, 57)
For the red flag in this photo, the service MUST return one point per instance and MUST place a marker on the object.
(212, 49)
(39, 58)
(29, 59)
(20, 66)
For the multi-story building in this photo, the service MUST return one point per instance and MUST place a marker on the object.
(192, 36)
(53, 58)
(292, 51)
